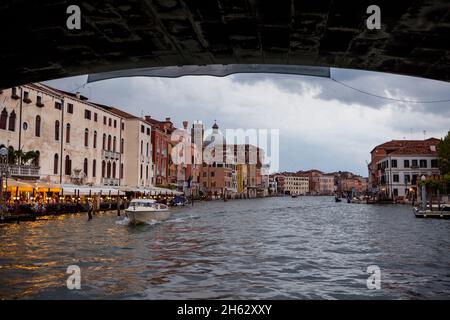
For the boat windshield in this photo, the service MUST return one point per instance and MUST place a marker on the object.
(143, 204)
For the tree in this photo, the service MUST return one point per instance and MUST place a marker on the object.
(443, 150)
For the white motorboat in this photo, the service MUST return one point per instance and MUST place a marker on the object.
(146, 210)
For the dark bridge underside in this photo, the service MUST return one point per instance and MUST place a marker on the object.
(119, 34)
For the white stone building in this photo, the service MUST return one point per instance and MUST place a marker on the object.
(77, 140)
(296, 185)
(400, 172)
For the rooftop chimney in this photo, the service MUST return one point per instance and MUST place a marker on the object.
(168, 119)
(78, 95)
(185, 124)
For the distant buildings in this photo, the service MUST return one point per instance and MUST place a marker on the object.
(397, 166)
(296, 185)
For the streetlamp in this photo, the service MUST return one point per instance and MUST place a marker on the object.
(4, 170)
(424, 193)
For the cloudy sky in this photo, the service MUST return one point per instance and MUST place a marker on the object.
(322, 124)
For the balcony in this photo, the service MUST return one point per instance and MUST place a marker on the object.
(111, 155)
(110, 181)
(24, 171)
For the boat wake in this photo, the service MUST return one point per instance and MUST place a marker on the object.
(125, 222)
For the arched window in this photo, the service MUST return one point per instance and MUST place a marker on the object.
(57, 130)
(86, 137)
(141, 171)
(37, 130)
(142, 147)
(95, 139)
(147, 150)
(68, 166)
(68, 133)
(3, 119)
(104, 142)
(114, 144)
(36, 159)
(114, 170)
(122, 142)
(94, 168)
(103, 168)
(109, 142)
(108, 170)
(12, 121)
(85, 166)
(55, 163)
(121, 171)
(146, 172)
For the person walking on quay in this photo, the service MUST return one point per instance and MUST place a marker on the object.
(90, 209)
(119, 205)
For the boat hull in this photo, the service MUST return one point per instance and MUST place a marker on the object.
(142, 217)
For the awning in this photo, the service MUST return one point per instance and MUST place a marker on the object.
(87, 190)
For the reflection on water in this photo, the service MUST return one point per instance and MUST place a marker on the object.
(274, 248)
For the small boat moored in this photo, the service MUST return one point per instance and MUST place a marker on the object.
(146, 210)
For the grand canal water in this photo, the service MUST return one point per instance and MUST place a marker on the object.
(280, 248)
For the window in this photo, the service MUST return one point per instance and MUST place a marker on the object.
(55, 163)
(3, 119)
(109, 122)
(114, 170)
(103, 168)
(142, 129)
(108, 169)
(86, 137)
(414, 163)
(104, 142)
(142, 147)
(122, 142)
(104, 120)
(114, 144)
(434, 163)
(68, 166)
(95, 116)
(95, 139)
(393, 163)
(85, 166)
(148, 131)
(94, 168)
(406, 163)
(147, 150)
(141, 172)
(115, 123)
(109, 142)
(68, 133)
(87, 114)
(26, 97)
(121, 171)
(146, 172)
(213, 173)
(407, 178)
(423, 163)
(12, 121)
(395, 178)
(395, 192)
(14, 94)
(123, 125)
(39, 101)
(58, 105)
(57, 130)
(69, 108)
(37, 130)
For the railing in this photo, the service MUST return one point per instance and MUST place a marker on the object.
(110, 181)
(110, 155)
(24, 171)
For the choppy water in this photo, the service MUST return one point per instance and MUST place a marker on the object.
(280, 248)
